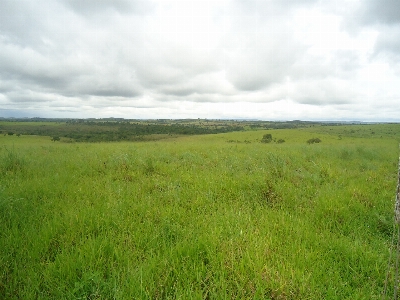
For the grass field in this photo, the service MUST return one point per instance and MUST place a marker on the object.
(219, 216)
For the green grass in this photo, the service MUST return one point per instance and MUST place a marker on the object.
(202, 217)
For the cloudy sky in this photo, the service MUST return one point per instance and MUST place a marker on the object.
(251, 59)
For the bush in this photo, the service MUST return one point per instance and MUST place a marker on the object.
(55, 138)
(313, 141)
(267, 138)
(280, 141)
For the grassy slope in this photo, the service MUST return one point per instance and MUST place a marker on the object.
(197, 217)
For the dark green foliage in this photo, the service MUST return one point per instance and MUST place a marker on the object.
(55, 138)
(10, 133)
(267, 138)
(108, 131)
(280, 141)
(313, 141)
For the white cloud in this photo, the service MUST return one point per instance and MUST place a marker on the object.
(224, 58)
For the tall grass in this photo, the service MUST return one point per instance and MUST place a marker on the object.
(12, 161)
(197, 218)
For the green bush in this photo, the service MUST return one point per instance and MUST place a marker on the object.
(267, 138)
(314, 141)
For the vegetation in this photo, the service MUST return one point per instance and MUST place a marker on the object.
(314, 141)
(217, 216)
(112, 129)
(118, 130)
(267, 138)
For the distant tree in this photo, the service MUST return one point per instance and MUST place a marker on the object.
(267, 138)
(55, 138)
(10, 133)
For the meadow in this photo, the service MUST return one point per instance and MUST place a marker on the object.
(219, 216)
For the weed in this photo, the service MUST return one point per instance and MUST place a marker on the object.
(149, 166)
(270, 196)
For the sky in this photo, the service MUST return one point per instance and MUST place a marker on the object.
(220, 59)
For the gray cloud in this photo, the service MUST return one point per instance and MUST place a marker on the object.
(185, 57)
(357, 14)
(382, 16)
(342, 64)
(258, 51)
(322, 92)
(21, 22)
(387, 45)
(376, 11)
(90, 7)
(270, 8)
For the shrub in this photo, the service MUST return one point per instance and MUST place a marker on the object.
(280, 141)
(313, 141)
(267, 138)
(55, 138)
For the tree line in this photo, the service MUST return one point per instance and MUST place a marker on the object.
(114, 131)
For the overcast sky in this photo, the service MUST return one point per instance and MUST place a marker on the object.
(251, 59)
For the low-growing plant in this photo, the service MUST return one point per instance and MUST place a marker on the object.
(267, 138)
(314, 141)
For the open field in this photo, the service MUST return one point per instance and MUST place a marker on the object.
(219, 216)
